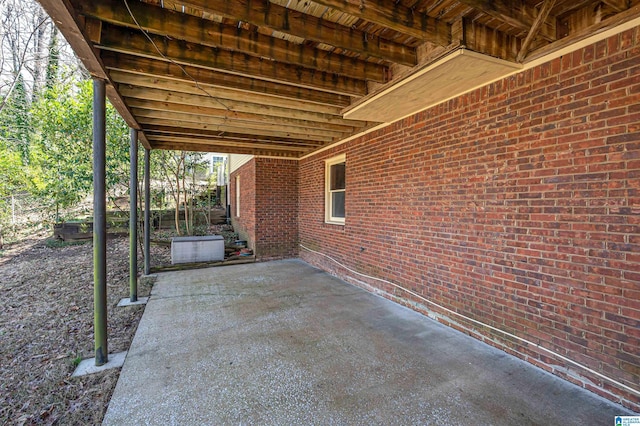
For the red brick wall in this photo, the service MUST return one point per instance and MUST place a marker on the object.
(245, 224)
(269, 207)
(516, 205)
(277, 215)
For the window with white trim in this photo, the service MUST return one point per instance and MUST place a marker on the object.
(335, 189)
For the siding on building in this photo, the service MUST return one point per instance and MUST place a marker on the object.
(516, 205)
(238, 160)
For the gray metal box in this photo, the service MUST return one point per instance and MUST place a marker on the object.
(197, 249)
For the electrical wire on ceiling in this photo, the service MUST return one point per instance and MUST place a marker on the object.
(182, 68)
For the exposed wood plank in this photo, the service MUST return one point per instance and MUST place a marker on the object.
(189, 28)
(118, 103)
(232, 137)
(489, 41)
(154, 67)
(134, 42)
(166, 110)
(575, 40)
(232, 127)
(568, 7)
(231, 142)
(396, 16)
(448, 77)
(210, 147)
(247, 126)
(545, 9)
(516, 14)
(265, 14)
(218, 92)
(232, 106)
(208, 140)
(617, 5)
(199, 133)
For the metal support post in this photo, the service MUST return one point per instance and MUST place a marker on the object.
(99, 224)
(133, 217)
(147, 213)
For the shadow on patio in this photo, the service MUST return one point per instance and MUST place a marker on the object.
(284, 343)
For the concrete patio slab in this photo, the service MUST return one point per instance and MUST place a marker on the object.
(285, 343)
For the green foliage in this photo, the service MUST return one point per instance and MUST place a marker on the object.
(15, 123)
(61, 156)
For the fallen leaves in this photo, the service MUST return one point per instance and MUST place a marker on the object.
(46, 322)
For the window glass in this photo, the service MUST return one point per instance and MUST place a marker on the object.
(337, 176)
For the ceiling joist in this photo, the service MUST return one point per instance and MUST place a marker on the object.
(162, 22)
(124, 40)
(277, 77)
(263, 13)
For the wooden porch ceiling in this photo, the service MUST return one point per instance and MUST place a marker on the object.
(275, 78)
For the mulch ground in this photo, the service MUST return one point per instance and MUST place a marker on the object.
(46, 327)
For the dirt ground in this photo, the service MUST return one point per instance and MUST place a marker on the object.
(46, 327)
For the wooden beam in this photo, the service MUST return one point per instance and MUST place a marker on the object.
(483, 39)
(263, 13)
(517, 14)
(123, 40)
(230, 106)
(617, 5)
(176, 25)
(545, 9)
(213, 147)
(166, 110)
(154, 67)
(220, 93)
(250, 127)
(207, 134)
(208, 140)
(576, 39)
(231, 137)
(231, 127)
(396, 16)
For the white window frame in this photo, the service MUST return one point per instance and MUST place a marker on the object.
(328, 208)
(238, 196)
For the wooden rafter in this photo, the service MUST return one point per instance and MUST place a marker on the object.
(230, 108)
(486, 40)
(211, 146)
(234, 127)
(186, 73)
(254, 127)
(545, 9)
(197, 133)
(516, 14)
(262, 13)
(274, 77)
(337, 123)
(396, 16)
(123, 40)
(218, 92)
(164, 22)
